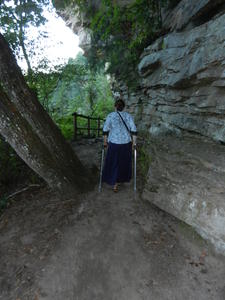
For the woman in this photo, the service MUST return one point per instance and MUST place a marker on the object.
(120, 133)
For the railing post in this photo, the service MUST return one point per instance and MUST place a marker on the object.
(75, 125)
(89, 134)
(88, 127)
(99, 124)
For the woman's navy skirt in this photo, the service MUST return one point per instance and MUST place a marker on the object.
(118, 163)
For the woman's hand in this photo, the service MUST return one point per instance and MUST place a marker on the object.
(134, 141)
(105, 141)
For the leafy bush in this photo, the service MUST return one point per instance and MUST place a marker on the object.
(66, 126)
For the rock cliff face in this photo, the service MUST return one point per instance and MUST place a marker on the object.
(79, 23)
(180, 102)
(183, 81)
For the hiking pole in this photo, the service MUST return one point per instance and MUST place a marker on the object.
(101, 168)
(135, 168)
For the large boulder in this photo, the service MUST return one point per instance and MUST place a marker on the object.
(186, 179)
(184, 81)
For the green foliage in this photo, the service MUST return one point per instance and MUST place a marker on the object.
(66, 126)
(91, 96)
(72, 88)
(120, 33)
(15, 18)
(43, 84)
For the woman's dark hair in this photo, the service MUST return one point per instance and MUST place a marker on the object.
(119, 104)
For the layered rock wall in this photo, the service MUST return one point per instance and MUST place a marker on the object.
(183, 82)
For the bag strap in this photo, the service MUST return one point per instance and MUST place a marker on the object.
(124, 124)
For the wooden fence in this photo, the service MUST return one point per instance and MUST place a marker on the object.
(88, 130)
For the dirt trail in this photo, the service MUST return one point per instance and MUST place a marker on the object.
(111, 247)
(122, 248)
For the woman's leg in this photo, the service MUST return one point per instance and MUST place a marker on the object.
(110, 169)
(125, 163)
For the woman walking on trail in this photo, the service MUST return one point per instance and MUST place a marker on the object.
(120, 133)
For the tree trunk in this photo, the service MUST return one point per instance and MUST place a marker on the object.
(32, 133)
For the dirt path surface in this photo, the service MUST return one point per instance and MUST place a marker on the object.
(111, 246)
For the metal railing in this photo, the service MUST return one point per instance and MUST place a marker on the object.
(88, 128)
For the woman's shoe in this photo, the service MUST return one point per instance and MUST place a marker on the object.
(115, 188)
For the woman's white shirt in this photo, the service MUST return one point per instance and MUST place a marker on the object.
(117, 132)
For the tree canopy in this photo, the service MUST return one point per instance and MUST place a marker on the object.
(16, 16)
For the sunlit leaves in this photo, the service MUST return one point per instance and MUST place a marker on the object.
(16, 16)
